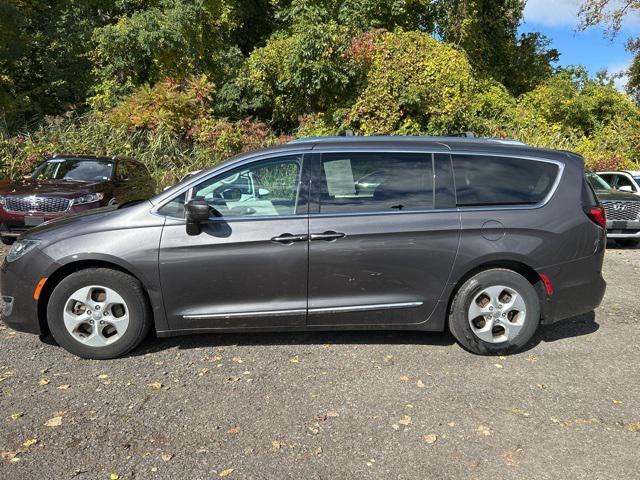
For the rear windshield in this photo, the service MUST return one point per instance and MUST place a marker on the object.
(74, 169)
(487, 180)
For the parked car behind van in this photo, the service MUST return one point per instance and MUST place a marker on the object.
(67, 184)
(622, 210)
(623, 180)
(488, 238)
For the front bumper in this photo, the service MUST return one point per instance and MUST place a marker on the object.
(623, 229)
(18, 281)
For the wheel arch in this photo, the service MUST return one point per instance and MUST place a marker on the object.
(63, 271)
(528, 272)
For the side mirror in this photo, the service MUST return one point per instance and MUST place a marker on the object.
(626, 188)
(197, 212)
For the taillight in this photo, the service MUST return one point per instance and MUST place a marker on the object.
(597, 215)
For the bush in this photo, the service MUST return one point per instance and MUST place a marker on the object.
(416, 85)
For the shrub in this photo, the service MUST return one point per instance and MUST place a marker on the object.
(415, 85)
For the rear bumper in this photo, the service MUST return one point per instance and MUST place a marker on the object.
(578, 288)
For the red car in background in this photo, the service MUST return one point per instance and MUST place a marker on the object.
(67, 184)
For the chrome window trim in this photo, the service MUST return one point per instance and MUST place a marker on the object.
(431, 150)
(533, 206)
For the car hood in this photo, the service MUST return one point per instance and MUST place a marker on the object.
(53, 188)
(613, 195)
(88, 221)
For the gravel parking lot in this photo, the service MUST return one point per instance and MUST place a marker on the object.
(334, 405)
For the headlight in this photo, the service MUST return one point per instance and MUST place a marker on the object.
(88, 198)
(20, 248)
(2, 202)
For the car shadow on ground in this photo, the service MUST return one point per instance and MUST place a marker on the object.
(574, 327)
(611, 245)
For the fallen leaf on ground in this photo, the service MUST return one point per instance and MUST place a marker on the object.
(103, 376)
(420, 384)
(54, 422)
(404, 378)
(16, 416)
(29, 442)
(166, 456)
(497, 365)
(430, 438)
(155, 385)
(484, 430)
(64, 387)
(406, 420)
(44, 381)
(233, 430)
(10, 456)
(520, 412)
(226, 472)
(616, 402)
(114, 476)
(633, 427)
(294, 359)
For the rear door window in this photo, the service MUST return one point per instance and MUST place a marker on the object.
(492, 180)
(376, 182)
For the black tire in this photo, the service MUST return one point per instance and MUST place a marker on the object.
(459, 323)
(126, 286)
(627, 242)
(7, 240)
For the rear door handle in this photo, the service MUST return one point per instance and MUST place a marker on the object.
(327, 236)
(288, 238)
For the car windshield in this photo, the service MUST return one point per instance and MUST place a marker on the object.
(597, 182)
(74, 169)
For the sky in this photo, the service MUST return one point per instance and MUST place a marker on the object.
(558, 20)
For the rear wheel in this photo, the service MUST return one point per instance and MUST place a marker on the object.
(627, 242)
(98, 313)
(494, 312)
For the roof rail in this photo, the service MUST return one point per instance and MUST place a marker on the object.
(465, 137)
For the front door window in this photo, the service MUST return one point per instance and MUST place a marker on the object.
(261, 189)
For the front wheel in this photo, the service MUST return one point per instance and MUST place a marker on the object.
(495, 312)
(98, 313)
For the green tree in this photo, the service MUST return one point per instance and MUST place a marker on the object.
(488, 32)
(415, 85)
(611, 14)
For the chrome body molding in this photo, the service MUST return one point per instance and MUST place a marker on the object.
(298, 311)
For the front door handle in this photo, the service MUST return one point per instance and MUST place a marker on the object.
(327, 236)
(288, 238)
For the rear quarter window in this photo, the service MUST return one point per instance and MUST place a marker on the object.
(492, 180)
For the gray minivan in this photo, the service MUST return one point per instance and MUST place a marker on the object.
(488, 238)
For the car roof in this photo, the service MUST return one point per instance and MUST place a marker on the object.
(454, 144)
(114, 158)
(629, 172)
